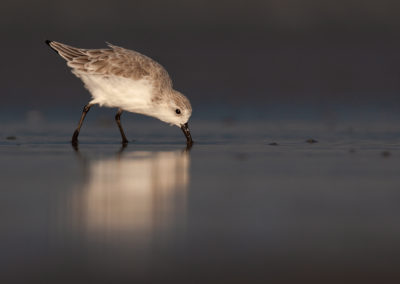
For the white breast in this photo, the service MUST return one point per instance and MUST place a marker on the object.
(113, 91)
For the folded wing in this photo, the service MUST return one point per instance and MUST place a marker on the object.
(114, 61)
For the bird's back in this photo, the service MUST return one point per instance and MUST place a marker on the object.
(113, 61)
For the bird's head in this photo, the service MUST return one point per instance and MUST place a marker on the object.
(175, 109)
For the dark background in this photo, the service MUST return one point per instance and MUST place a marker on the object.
(257, 203)
(325, 54)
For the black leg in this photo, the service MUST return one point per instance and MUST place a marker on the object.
(118, 120)
(76, 133)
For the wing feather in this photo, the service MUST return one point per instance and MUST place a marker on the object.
(115, 61)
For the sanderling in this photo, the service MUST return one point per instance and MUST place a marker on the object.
(127, 80)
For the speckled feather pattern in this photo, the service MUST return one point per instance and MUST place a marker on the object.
(114, 61)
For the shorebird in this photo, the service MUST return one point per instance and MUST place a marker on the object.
(125, 79)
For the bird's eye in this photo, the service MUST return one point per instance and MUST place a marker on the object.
(178, 111)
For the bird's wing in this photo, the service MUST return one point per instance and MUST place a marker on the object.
(116, 61)
(65, 51)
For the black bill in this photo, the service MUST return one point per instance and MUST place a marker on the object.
(185, 129)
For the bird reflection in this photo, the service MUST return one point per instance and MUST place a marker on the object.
(134, 191)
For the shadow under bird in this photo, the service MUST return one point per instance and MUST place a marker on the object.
(125, 79)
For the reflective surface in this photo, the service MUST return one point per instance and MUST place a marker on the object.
(133, 192)
(236, 208)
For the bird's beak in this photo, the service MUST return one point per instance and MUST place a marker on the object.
(185, 129)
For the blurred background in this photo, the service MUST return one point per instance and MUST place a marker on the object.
(231, 58)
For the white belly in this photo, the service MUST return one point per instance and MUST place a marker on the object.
(113, 91)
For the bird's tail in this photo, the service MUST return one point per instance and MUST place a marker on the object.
(65, 51)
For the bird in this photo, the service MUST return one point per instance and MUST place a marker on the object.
(128, 80)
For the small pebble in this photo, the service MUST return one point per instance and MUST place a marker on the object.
(311, 141)
(385, 154)
(11, 138)
(273, 144)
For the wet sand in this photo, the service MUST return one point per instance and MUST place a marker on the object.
(249, 203)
